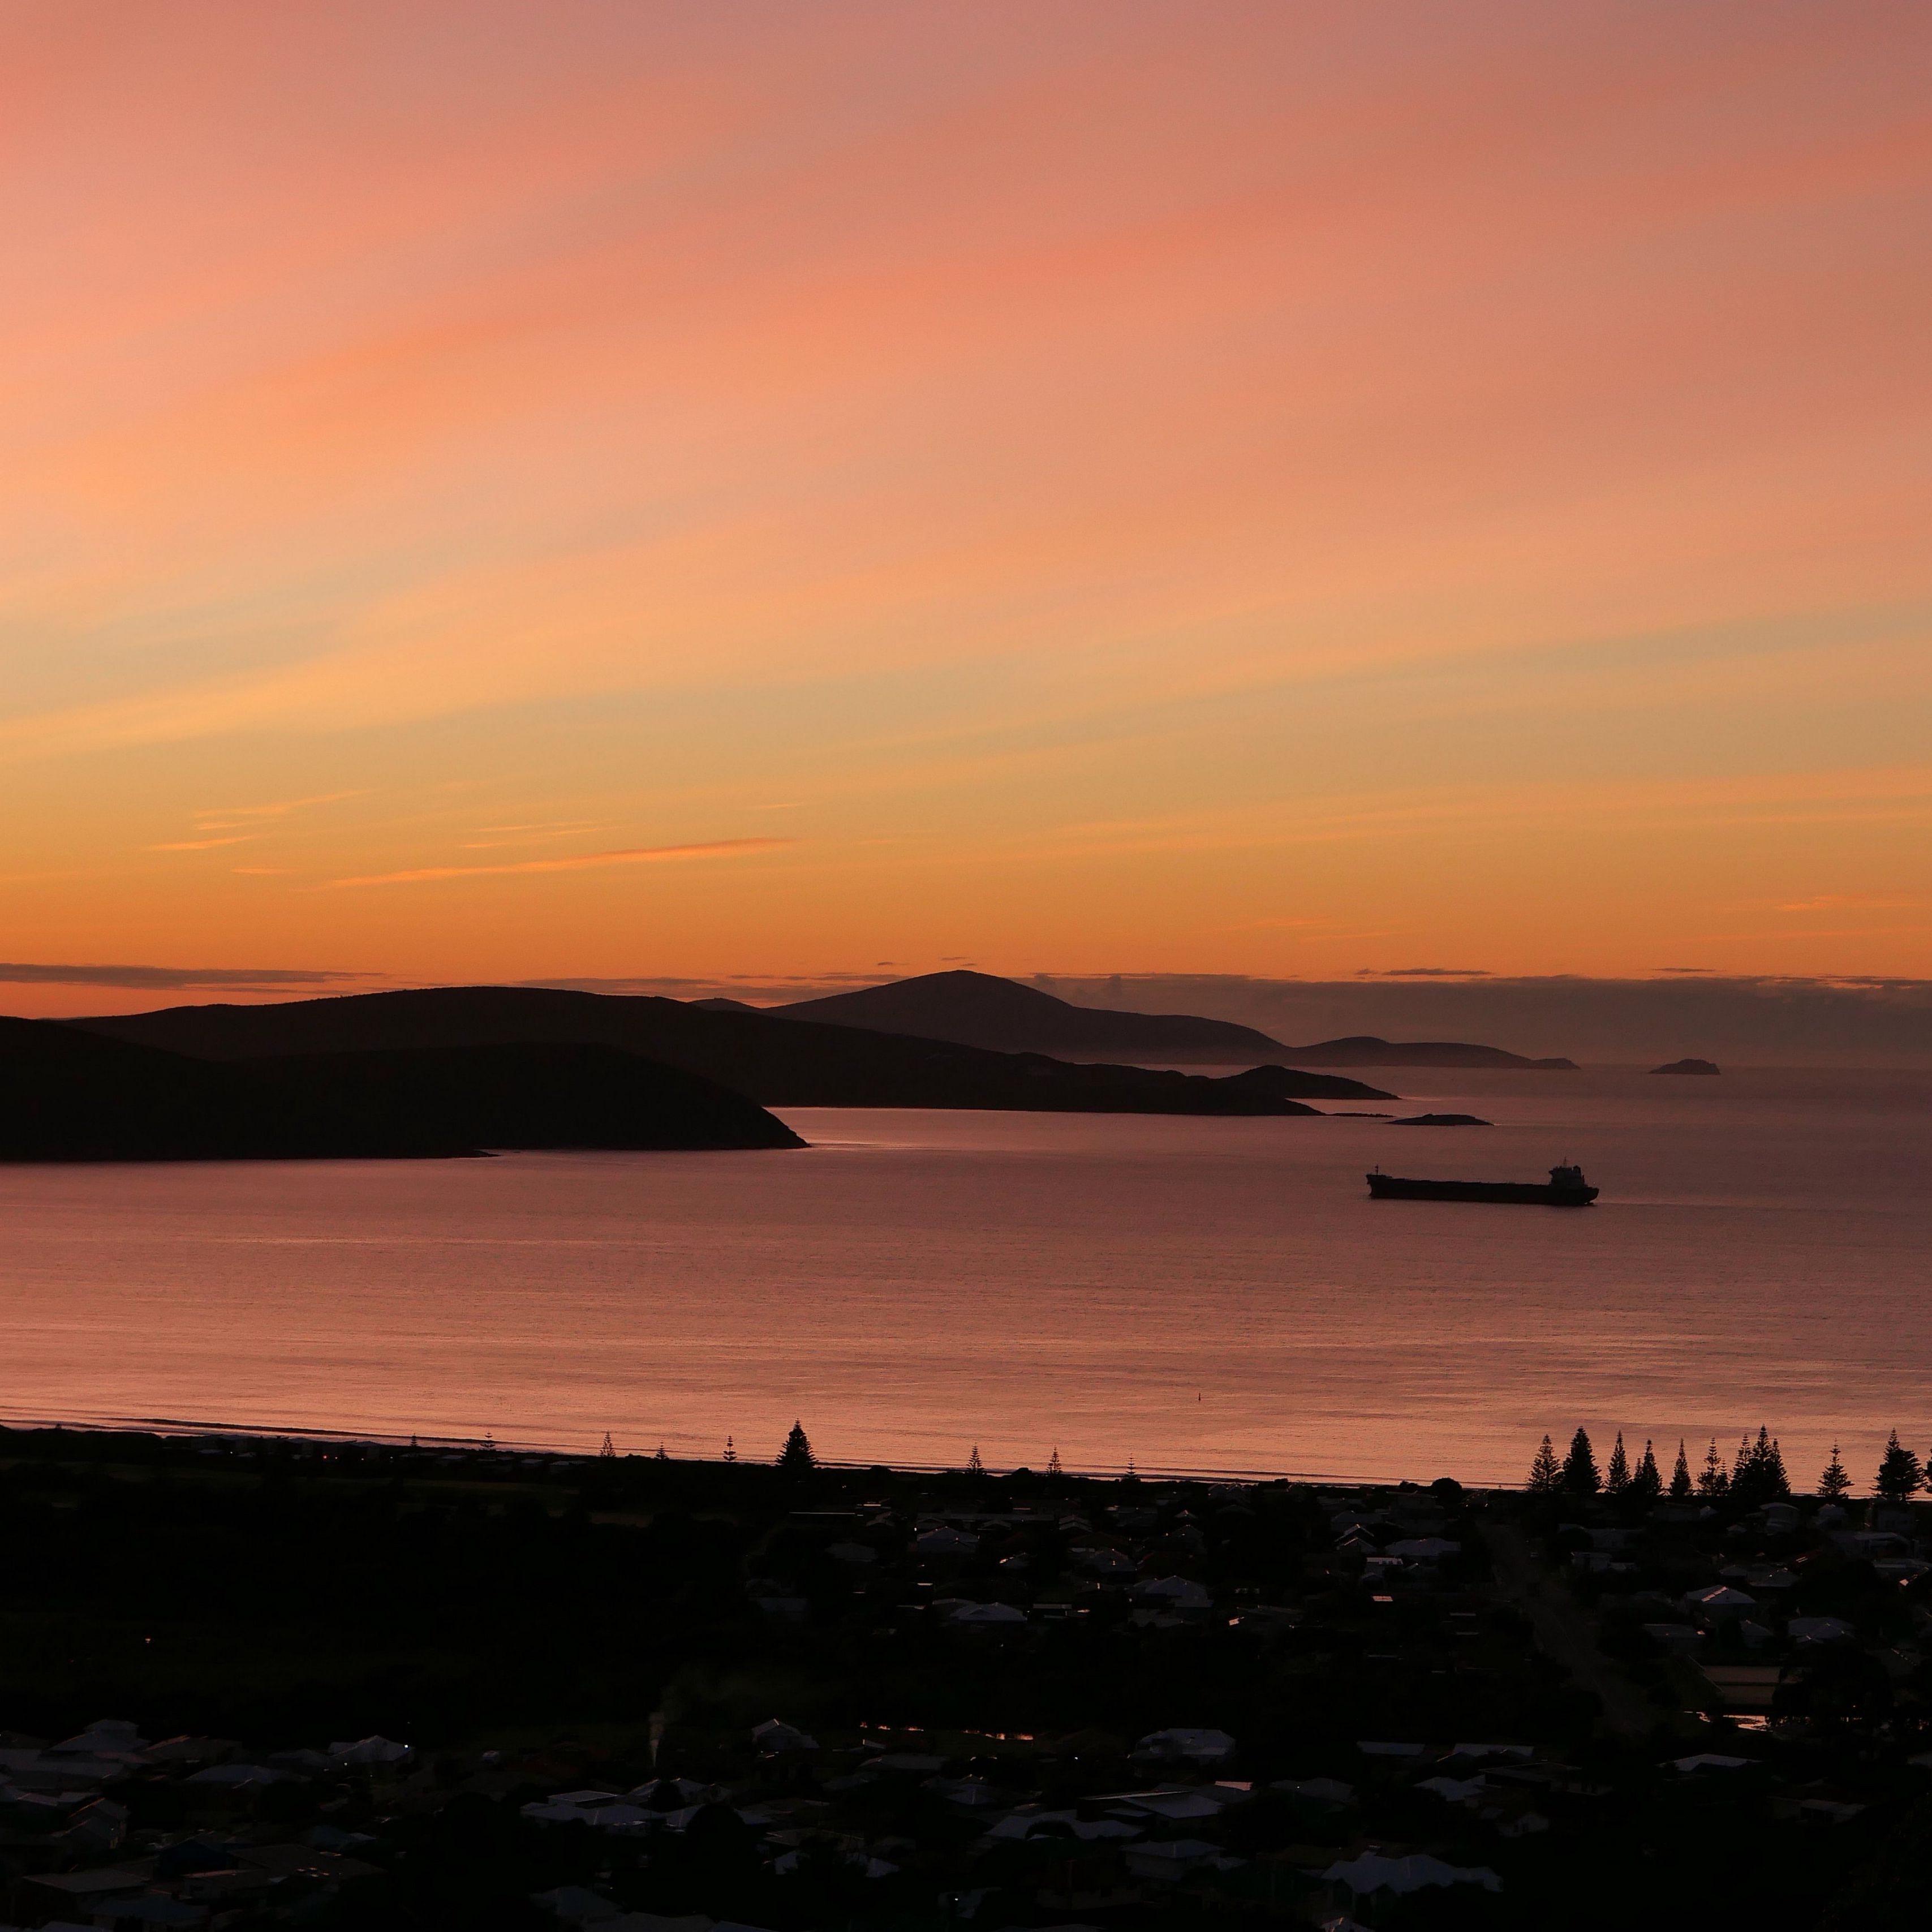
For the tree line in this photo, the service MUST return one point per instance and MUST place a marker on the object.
(1754, 1476)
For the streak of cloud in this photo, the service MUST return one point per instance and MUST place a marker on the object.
(215, 817)
(1424, 973)
(177, 978)
(640, 855)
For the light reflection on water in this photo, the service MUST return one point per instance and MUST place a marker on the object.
(1197, 1294)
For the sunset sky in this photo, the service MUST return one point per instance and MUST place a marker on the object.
(610, 488)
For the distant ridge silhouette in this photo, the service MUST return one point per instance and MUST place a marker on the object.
(1365, 1050)
(776, 1060)
(981, 1010)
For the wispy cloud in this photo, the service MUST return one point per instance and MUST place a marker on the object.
(550, 825)
(203, 844)
(1424, 973)
(232, 977)
(1831, 901)
(532, 835)
(214, 818)
(640, 855)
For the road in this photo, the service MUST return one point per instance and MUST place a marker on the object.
(1564, 1632)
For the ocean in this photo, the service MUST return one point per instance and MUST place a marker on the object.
(1201, 1296)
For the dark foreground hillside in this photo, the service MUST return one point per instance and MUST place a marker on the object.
(777, 1062)
(358, 1686)
(68, 1095)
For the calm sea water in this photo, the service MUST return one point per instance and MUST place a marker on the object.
(1194, 1294)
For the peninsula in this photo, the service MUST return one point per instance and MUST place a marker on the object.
(776, 1061)
(75, 1096)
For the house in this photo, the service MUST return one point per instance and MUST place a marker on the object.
(1316, 1790)
(775, 1736)
(980, 1615)
(934, 1545)
(1179, 1806)
(659, 1922)
(241, 1777)
(370, 1750)
(1206, 1748)
(586, 1807)
(1600, 1563)
(574, 1905)
(1172, 1859)
(1820, 1630)
(1679, 1639)
(91, 1892)
(1372, 1872)
(1453, 1790)
(1179, 1591)
(1871, 1543)
(154, 1908)
(1718, 1601)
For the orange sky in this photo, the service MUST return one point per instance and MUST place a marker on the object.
(495, 491)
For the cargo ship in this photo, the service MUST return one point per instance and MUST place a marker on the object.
(1565, 1188)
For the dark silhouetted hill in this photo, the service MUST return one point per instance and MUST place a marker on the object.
(1364, 1050)
(531, 1095)
(1702, 1066)
(778, 1062)
(67, 1094)
(980, 1009)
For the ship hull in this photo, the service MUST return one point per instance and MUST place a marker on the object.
(1507, 1193)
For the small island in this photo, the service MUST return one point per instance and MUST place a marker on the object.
(1443, 1120)
(1687, 1067)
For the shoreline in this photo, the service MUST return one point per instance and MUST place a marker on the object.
(185, 1429)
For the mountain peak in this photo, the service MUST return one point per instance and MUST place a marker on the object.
(973, 1009)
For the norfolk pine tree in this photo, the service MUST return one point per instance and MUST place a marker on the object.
(795, 1458)
(1834, 1485)
(1544, 1474)
(1648, 1483)
(1759, 1476)
(1680, 1476)
(1580, 1478)
(1619, 1476)
(1899, 1473)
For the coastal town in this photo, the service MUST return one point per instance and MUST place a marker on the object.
(698, 1695)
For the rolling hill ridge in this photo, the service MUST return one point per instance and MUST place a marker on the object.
(773, 1059)
(69, 1094)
